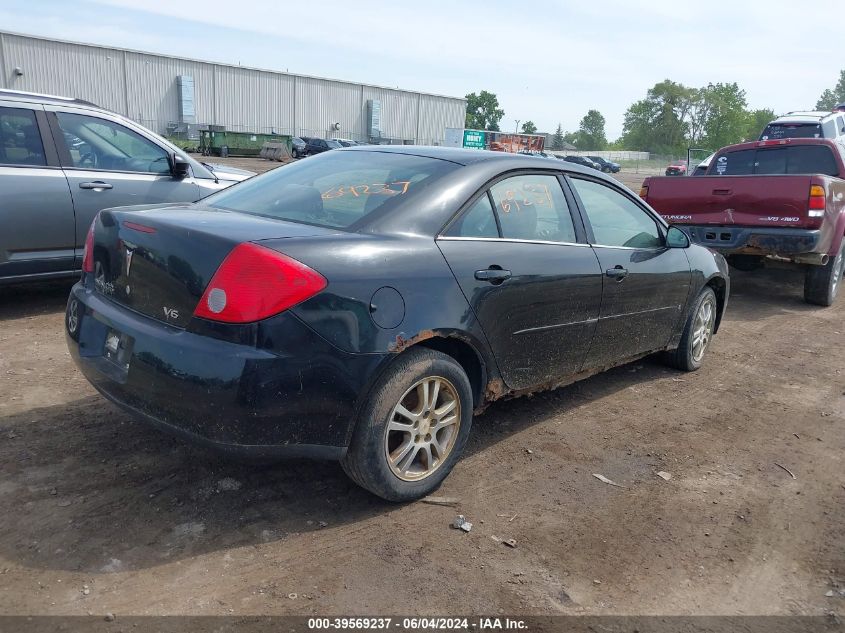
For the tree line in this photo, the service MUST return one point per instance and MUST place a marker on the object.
(671, 118)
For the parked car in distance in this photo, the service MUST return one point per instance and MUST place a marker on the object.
(582, 160)
(677, 168)
(297, 147)
(391, 292)
(701, 168)
(607, 166)
(346, 142)
(806, 125)
(782, 199)
(62, 160)
(320, 145)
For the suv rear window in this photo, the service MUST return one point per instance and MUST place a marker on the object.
(797, 159)
(775, 131)
(334, 189)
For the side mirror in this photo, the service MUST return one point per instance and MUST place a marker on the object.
(179, 167)
(676, 238)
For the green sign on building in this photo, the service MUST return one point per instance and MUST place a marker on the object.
(474, 139)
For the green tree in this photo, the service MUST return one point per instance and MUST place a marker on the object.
(528, 127)
(557, 138)
(831, 98)
(571, 138)
(483, 111)
(755, 122)
(591, 134)
(726, 119)
(659, 123)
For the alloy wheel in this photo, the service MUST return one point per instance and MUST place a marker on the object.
(702, 328)
(422, 428)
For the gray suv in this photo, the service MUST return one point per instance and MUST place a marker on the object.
(63, 160)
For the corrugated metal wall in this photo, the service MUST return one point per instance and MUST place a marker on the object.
(142, 86)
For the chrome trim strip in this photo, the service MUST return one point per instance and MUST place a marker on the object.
(552, 327)
(632, 248)
(506, 239)
(616, 316)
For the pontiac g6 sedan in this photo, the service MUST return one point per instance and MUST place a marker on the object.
(362, 304)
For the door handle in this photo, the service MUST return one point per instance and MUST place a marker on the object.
(493, 275)
(722, 192)
(97, 185)
(617, 272)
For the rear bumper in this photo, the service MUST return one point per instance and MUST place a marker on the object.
(756, 240)
(298, 400)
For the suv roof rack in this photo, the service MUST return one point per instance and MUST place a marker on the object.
(37, 96)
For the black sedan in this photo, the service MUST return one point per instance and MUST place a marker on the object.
(582, 160)
(319, 145)
(607, 166)
(362, 304)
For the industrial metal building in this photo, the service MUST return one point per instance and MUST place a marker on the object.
(162, 92)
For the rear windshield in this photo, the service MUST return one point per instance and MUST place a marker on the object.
(336, 189)
(776, 131)
(797, 159)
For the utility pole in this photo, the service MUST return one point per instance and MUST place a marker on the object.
(516, 129)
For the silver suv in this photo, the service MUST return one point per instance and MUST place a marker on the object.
(63, 160)
(807, 125)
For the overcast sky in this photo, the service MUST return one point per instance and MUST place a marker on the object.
(547, 61)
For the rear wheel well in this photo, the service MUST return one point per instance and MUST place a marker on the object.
(466, 357)
(720, 288)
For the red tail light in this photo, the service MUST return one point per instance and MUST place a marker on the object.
(817, 200)
(254, 283)
(88, 253)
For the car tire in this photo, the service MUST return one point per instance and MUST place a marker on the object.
(295, 153)
(821, 283)
(701, 322)
(379, 458)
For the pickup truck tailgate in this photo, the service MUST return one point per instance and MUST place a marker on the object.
(733, 200)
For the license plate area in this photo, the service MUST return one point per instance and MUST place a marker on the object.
(117, 349)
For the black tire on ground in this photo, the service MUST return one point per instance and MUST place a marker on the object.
(295, 153)
(366, 461)
(821, 283)
(688, 357)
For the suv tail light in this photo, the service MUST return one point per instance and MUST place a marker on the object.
(88, 253)
(817, 201)
(644, 192)
(254, 283)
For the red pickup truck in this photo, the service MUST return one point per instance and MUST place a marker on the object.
(782, 199)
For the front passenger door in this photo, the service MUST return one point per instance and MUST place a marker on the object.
(109, 165)
(645, 283)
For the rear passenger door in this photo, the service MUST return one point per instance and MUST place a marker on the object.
(36, 210)
(107, 164)
(645, 283)
(522, 261)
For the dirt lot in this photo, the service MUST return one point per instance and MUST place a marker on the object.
(103, 514)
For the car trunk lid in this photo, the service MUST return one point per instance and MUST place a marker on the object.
(158, 261)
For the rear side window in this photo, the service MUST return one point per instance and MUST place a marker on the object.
(335, 189)
(797, 159)
(20, 141)
(533, 207)
(477, 221)
(775, 131)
